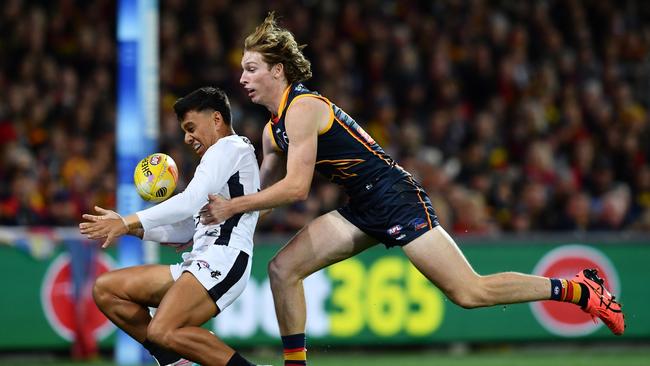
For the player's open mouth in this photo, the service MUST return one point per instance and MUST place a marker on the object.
(196, 147)
(250, 92)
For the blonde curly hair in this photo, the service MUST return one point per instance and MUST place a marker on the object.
(278, 46)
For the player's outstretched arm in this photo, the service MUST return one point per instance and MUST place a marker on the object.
(110, 214)
(109, 225)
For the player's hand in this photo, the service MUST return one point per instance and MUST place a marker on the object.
(107, 226)
(105, 214)
(216, 210)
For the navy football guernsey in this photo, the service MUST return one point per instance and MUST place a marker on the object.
(385, 201)
(346, 154)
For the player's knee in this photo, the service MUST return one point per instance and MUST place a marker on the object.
(279, 272)
(275, 270)
(102, 290)
(470, 296)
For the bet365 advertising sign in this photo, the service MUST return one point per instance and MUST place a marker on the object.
(386, 298)
(374, 298)
(378, 297)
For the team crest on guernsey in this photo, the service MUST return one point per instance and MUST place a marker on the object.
(418, 223)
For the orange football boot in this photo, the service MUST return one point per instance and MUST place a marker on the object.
(601, 304)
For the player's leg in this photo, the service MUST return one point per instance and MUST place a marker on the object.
(202, 288)
(438, 257)
(326, 240)
(177, 323)
(125, 296)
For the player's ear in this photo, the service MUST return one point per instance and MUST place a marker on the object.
(277, 70)
(217, 118)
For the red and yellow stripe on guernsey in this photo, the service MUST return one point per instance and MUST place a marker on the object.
(349, 131)
(295, 354)
(571, 291)
(331, 121)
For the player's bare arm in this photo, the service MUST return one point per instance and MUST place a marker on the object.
(110, 226)
(304, 119)
(87, 228)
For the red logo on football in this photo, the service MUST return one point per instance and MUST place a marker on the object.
(57, 299)
(565, 262)
(154, 160)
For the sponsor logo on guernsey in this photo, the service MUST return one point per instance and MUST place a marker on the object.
(282, 135)
(202, 264)
(213, 232)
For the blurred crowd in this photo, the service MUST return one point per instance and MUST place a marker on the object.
(516, 116)
(57, 110)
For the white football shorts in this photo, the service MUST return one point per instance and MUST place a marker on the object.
(222, 270)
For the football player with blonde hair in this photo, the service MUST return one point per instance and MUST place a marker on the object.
(307, 132)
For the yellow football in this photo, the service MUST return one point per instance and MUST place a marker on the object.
(155, 177)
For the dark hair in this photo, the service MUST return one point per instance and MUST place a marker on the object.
(203, 99)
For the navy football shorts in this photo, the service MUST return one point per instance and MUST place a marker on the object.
(395, 215)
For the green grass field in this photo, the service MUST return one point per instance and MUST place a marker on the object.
(576, 356)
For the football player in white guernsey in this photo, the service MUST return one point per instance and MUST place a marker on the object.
(214, 273)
